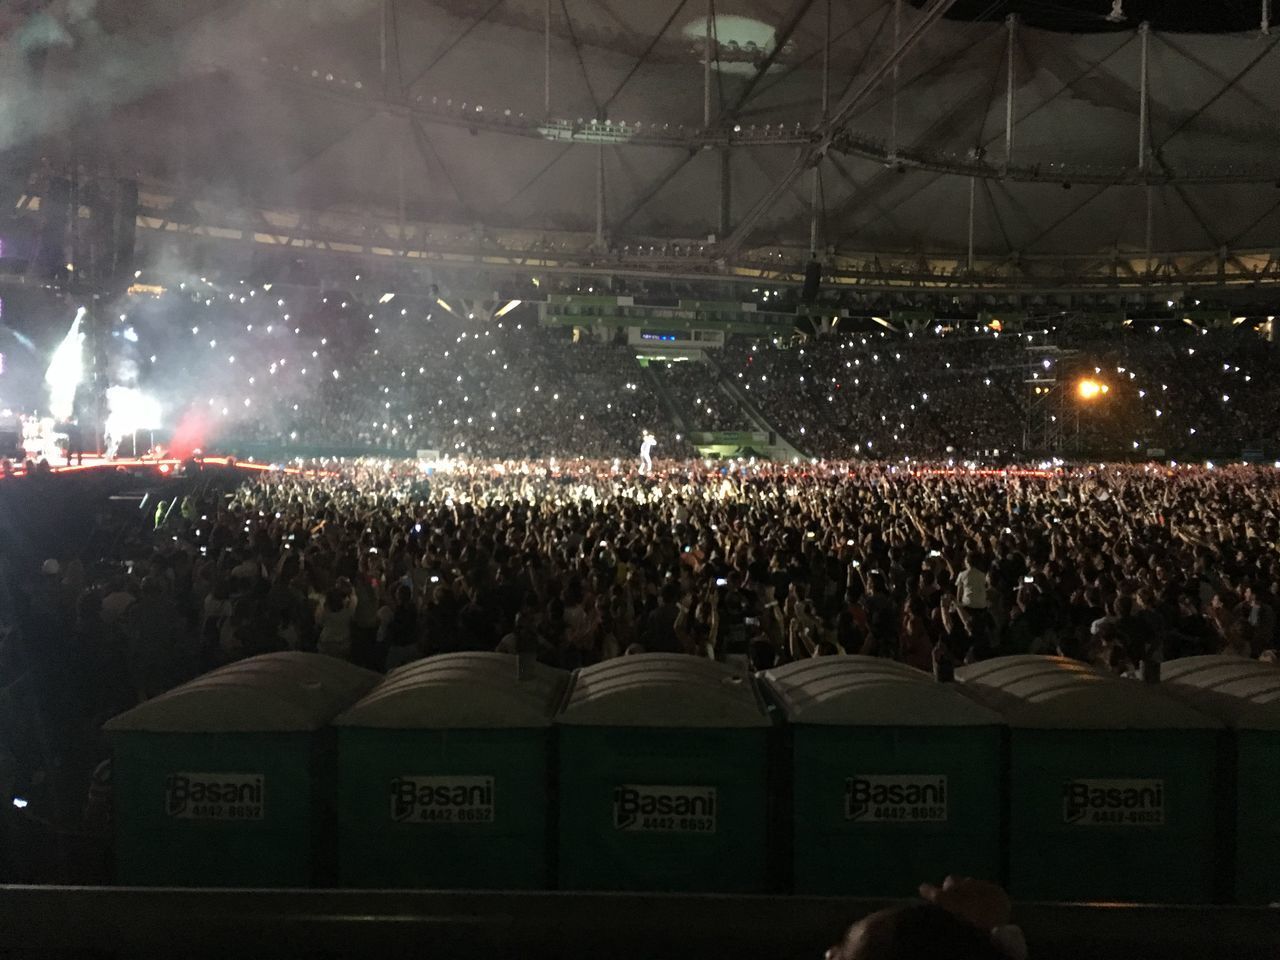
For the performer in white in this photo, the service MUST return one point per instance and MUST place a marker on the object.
(646, 446)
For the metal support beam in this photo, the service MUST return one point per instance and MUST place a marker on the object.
(546, 60)
(644, 57)
(382, 37)
(600, 197)
(781, 36)
(564, 131)
(1144, 33)
(973, 190)
(726, 194)
(826, 62)
(453, 44)
(706, 71)
(389, 39)
(582, 63)
(893, 102)
(826, 132)
(654, 189)
(1011, 22)
(400, 195)
(1150, 222)
(854, 98)
(813, 212)
(179, 227)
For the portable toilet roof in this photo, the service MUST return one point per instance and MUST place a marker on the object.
(871, 691)
(461, 691)
(1242, 693)
(1057, 693)
(662, 690)
(273, 693)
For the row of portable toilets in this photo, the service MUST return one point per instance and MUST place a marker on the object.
(838, 775)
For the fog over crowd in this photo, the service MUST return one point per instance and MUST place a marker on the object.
(278, 370)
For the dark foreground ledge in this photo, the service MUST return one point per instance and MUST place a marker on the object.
(126, 923)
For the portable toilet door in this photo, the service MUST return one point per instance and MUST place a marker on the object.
(223, 781)
(895, 778)
(663, 772)
(1245, 695)
(444, 774)
(1111, 785)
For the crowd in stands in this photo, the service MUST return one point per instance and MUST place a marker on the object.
(699, 402)
(301, 371)
(875, 396)
(1190, 393)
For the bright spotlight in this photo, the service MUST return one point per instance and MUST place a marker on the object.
(1088, 389)
(66, 369)
(130, 410)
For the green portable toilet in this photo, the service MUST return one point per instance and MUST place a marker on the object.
(444, 770)
(896, 779)
(1245, 695)
(226, 781)
(1110, 783)
(663, 777)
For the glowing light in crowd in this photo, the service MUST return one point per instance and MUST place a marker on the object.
(507, 308)
(66, 370)
(1091, 389)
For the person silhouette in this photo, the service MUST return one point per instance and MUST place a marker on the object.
(646, 447)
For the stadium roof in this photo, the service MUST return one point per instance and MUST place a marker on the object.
(436, 111)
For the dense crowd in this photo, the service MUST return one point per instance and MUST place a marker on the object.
(876, 396)
(587, 560)
(700, 404)
(297, 371)
(294, 372)
(1190, 393)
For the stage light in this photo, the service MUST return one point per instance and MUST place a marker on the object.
(130, 410)
(66, 370)
(1091, 389)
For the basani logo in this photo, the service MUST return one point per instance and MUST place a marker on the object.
(214, 796)
(658, 809)
(1123, 803)
(443, 799)
(896, 798)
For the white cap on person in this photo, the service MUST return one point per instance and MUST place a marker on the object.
(51, 568)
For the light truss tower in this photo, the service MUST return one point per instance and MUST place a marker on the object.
(1049, 426)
